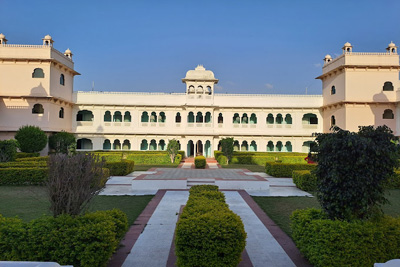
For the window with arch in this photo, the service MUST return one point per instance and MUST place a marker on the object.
(107, 144)
(37, 109)
(84, 143)
(333, 90)
(191, 89)
(220, 118)
(270, 119)
(279, 119)
(117, 116)
(62, 79)
(117, 144)
(207, 117)
(253, 146)
(253, 118)
(144, 145)
(236, 118)
(310, 118)
(161, 145)
(209, 90)
(84, 115)
(307, 145)
(191, 117)
(245, 146)
(161, 117)
(178, 117)
(107, 116)
(388, 114)
(153, 117)
(245, 119)
(126, 145)
(270, 146)
(288, 119)
(333, 121)
(144, 117)
(200, 89)
(127, 116)
(279, 146)
(153, 145)
(38, 73)
(199, 117)
(388, 86)
(236, 145)
(288, 146)
(61, 113)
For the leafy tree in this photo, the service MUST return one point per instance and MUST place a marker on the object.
(62, 142)
(31, 139)
(352, 168)
(227, 148)
(73, 181)
(8, 150)
(172, 149)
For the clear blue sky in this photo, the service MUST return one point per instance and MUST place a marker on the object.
(252, 46)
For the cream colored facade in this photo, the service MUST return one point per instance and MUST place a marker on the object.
(198, 117)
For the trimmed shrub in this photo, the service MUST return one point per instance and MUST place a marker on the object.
(182, 153)
(122, 168)
(159, 158)
(178, 159)
(222, 160)
(261, 158)
(8, 150)
(21, 155)
(305, 180)
(200, 162)
(31, 139)
(45, 158)
(328, 242)
(24, 164)
(278, 169)
(87, 240)
(208, 233)
(61, 142)
(23, 176)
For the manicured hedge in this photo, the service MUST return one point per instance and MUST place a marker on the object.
(23, 176)
(87, 240)
(24, 164)
(27, 155)
(278, 169)
(200, 162)
(305, 180)
(260, 158)
(140, 157)
(45, 158)
(208, 233)
(222, 160)
(340, 243)
(178, 159)
(121, 168)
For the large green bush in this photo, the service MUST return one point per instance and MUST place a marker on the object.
(208, 233)
(23, 176)
(31, 139)
(61, 142)
(326, 242)
(353, 169)
(305, 180)
(8, 150)
(87, 240)
(200, 162)
(121, 168)
(278, 169)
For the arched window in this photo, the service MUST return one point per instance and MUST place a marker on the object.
(279, 146)
(199, 117)
(209, 90)
(106, 144)
(307, 146)
(245, 119)
(200, 89)
(153, 145)
(145, 117)
(388, 86)
(38, 73)
(310, 118)
(116, 144)
(288, 119)
(190, 117)
(288, 146)
(37, 109)
(161, 145)
(117, 116)
(253, 119)
(236, 146)
(207, 118)
(220, 118)
(126, 145)
(236, 118)
(84, 115)
(153, 117)
(144, 145)
(270, 119)
(191, 89)
(333, 90)
(178, 118)
(107, 116)
(253, 146)
(61, 113)
(62, 79)
(245, 146)
(388, 114)
(333, 121)
(270, 146)
(127, 116)
(84, 143)
(279, 119)
(162, 117)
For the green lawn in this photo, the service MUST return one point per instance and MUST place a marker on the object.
(279, 209)
(143, 167)
(253, 168)
(30, 202)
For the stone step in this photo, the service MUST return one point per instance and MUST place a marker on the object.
(199, 181)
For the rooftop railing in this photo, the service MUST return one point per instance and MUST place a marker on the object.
(37, 46)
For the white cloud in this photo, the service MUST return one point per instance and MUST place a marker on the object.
(269, 86)
(317, 65)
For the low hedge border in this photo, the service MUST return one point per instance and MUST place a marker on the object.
(208, 233)
(305, 180)
(339, 243)
(24, 164)
(121, 168)
(23, 176)
(87, 240)
(278, 169)
(21, 155)
(260, 158)
(45, 158)
(200, 162)
(140, 157)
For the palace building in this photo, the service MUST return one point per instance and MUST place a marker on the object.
(36, 88)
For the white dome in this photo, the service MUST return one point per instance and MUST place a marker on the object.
(347, 44)
(68, 52)
(2, 36)
(47, 37)
(328, 57)
(199, 73)
(391, 44)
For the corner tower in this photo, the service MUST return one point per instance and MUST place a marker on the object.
(199, 84)
(361, 89)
